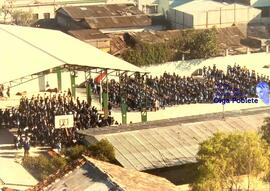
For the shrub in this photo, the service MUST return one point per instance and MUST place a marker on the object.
(75, 152)
(103, 150)
(42, 166)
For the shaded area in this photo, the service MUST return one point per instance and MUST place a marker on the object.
(184, 174)
(6, 137)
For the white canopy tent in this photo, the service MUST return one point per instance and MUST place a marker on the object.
(26, 51)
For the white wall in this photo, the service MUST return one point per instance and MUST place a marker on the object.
(224, 17)
(123, 30)
(40, 10)
(180, 20)
(254, 61)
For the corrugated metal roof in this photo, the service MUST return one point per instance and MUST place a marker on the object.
(131, 180)
(95, 175)
(118, 22)
(174, 144)
(86, 177)
(88, 34)
(108, 16)
(108, 10)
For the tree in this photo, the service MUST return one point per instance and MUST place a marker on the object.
(7, 9)
(203, 44)
(265, 130)
(193, 43)
(146, 54)
(22, 18)
(265, 134)
(224, 158)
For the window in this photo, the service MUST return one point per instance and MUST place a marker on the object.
(35, 16)
(46, 15)
(265, 11)
(151, 9)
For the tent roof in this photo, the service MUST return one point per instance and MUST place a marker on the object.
(27, 50)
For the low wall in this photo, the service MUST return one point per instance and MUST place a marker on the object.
(253, 61)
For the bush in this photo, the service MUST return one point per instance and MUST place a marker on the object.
(147, 54)
(42, 166)
(75, 152)
(103, 150)
(194, 43)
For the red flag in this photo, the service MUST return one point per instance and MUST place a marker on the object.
(100, 77)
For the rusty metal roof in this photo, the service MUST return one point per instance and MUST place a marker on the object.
(118, 44)
(108, 16)
(173, 143)
(229, 37)
(118, 22)
(108, 10)
(88, 34)
(93, 174)
(131, 180)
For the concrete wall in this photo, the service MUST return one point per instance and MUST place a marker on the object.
(223, 17)
(39, 10)
(180, 20)
(104, 45)
(50, 8)
(226, 17)
(265, 20)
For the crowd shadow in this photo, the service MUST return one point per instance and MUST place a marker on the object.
(6, 137)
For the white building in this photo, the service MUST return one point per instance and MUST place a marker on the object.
(206, 14)
(45, 9)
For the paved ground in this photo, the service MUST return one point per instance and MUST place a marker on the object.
(12, 173)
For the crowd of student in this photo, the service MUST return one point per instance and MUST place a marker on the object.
(35, 119)
(172, 89)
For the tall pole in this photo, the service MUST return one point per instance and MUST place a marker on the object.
(59, 78)
(100, 94)
(73, 86)
(223, 111)
(234, 12)
(105, 98)
(88, 89)
(123, 104)
(144, 103)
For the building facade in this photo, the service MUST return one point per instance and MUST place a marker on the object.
(206, 14)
